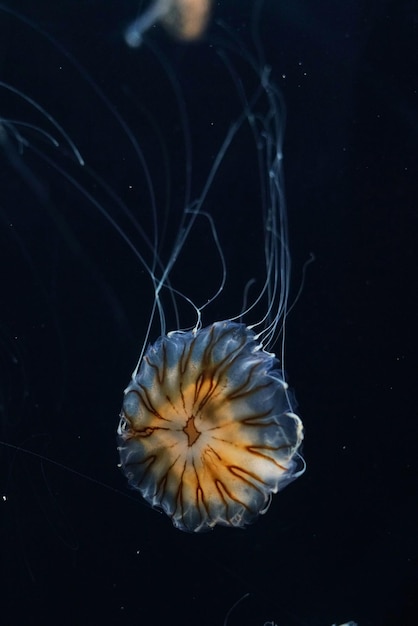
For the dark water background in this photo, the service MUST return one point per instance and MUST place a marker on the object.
(341, 542)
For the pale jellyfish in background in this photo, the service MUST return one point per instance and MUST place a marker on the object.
(350, 623)
(184, 19)
(272, 622)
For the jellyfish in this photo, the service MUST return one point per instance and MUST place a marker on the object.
(184, 19)
(208, 430)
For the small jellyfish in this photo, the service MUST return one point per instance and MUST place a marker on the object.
(184, 19)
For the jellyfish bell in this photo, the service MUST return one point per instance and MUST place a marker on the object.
(208, 430)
